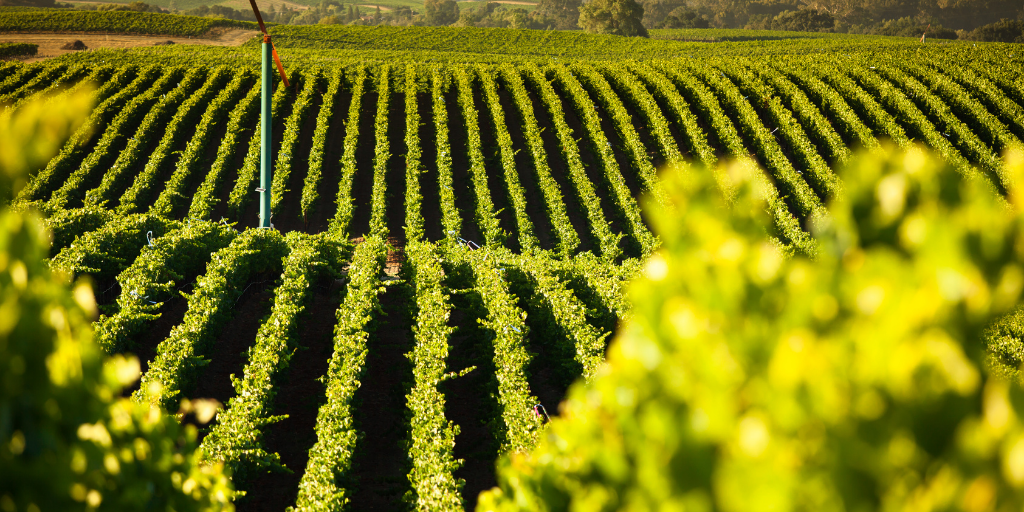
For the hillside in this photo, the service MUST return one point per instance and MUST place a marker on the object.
(456, 214)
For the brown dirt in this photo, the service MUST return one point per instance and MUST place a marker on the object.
(362, 181)
(395, 178)
(381, 457)
(560, 172)
(51, 43)
(229, 354)
(429, 187)
(465, 196)
(299, 395)
(171, 314)
(536, 208)
(470, 400)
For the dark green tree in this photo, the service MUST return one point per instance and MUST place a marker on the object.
(804, 20)
(618, 17)
(1006, 31)
(565, 13)
(684, 17)
(441, 12)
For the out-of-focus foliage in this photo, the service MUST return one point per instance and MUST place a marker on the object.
(441, 12)
(748, 381)
(67, 439)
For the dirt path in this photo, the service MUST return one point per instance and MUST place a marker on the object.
(50, 42)
(381, 458)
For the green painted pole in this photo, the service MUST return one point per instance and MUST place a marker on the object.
(266, 173)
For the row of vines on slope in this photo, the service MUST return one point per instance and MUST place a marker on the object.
(797, 118)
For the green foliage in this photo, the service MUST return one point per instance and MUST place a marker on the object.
(485, 214)
(505, 324)
(290, 142)
(247, 176)
(322, 487)
(345, 208)
(110, 99)
(314, 174)
(243, 114)
(568, 313)
(165, 97)
(68, 441)
(568, 239)
(450, 219)
(142, 188)
(130, 22)
(191, 160)
(237, 437)
(181, 356)
(433, 436)
(683, 17)
(105, 252)
(584, 189)
(517, 195)
(441, 12)
(803, 20)
(413, 165)
(600, 145)
(748, 380)
(565, 13)
(153, 276)
(623, 122)
(1007, 31)
(617, 17)
(67, 225)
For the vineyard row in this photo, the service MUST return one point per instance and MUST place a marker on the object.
(523, 156)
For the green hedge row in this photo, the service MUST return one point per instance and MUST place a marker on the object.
(17, 49)
(114, 21)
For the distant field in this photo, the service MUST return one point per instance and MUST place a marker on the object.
(511, 4)
(492, 43)
(126, 22)
(731, 34)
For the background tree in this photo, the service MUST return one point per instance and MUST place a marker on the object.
(565, 14)
(441, 12)
(683, 17)
(618, 17)
(804, 20)
(1005, 31)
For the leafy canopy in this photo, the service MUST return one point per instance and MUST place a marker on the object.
(616, 17)
(67, 439)
(748, 381)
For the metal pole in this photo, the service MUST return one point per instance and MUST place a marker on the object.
(266, 173)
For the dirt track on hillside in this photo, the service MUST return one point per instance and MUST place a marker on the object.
(50, 43)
